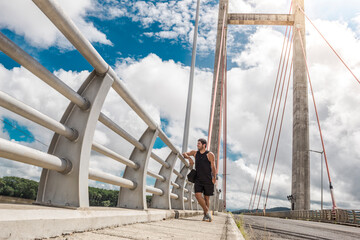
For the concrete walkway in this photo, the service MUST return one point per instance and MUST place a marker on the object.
(222, 227)
(21, 221)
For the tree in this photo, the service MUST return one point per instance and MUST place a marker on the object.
(25, 188)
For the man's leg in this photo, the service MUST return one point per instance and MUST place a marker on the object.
(201, 201)
(207, 201)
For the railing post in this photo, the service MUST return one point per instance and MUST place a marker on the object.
(217, 200)
(136, 198)
(164, 201)
(71, 190)
(179, 203)
(189, 187)
(354, 216)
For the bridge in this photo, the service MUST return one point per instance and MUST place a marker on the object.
(62, 203)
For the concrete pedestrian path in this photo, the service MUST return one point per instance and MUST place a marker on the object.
(23, 221)
(222, 227)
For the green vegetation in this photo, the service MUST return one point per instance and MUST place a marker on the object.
(18, 187)
(24, 188)
(103, 197)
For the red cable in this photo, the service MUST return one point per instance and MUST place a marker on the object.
(318, 121)
(329, 44)
(270, 111)
(277, 144)
(272, 119)
(221, 108)
(276, 119)
(266, 131)
(216, 83)
(224, 133)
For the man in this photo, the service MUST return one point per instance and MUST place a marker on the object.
(205, 175)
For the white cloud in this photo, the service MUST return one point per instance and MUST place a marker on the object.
(25, 18)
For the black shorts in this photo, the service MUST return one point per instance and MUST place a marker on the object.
(207, 189)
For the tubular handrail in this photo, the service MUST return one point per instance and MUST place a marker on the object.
(159, 160)
(24, 59)
(20, 153)
(155, 175)
(97, 175)
(120, 131)
(72, 33)
(174, 196)
(20, 108)
(154, 190)
(175, 184)
(109, 153)
(178, 174)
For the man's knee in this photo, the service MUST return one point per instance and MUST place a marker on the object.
(198, 195)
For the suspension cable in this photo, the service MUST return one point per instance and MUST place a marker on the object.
(277, 144)
(225, 132)
(302, 10)
(276, 119)
(221, 109)
(272, 118)
(270, 111)
(318, 122)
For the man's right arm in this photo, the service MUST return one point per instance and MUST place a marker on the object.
(187, 156)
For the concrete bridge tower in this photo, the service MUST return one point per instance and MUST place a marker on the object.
(300, 188)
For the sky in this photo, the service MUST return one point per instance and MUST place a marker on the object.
(149, 43)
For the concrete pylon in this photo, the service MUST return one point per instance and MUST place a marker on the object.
(300, 189)
(214, 146)
(300, 156)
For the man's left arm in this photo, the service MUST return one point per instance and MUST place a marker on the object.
(213, 168)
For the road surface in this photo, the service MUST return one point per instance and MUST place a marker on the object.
(276, 228)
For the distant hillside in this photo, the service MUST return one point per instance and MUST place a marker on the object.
(276, 209)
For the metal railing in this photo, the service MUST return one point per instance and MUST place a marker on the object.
(341, 216)
(65, 174)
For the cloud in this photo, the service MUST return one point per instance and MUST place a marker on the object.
(17, 19)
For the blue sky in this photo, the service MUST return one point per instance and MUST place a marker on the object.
(148, 43)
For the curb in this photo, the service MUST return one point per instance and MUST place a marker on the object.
(233, 231)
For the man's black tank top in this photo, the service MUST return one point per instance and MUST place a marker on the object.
(203, 168)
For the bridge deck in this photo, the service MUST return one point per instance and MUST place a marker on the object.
(258, 227)
(18, 221)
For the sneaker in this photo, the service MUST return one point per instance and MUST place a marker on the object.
(208, 217)
(204, 218)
